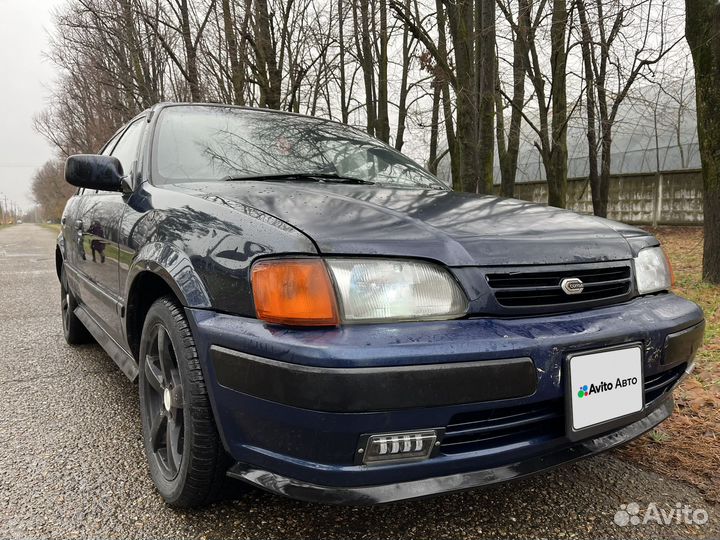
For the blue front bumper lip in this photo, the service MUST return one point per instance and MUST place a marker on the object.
(379, 494)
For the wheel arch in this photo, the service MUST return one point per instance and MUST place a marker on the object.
(156, 271)
(59, 254)
(58, 260)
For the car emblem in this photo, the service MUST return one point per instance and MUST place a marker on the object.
(572, 285)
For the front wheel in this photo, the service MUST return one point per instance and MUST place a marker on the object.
(185, 455)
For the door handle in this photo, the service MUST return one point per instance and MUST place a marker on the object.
(79, 224)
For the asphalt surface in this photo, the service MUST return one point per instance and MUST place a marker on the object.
(72, 463)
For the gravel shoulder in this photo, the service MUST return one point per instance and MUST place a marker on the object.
(72, 464)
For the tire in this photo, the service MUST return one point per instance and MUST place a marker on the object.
(74, 331)
(185, 455)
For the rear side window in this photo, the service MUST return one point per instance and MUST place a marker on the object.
(126, 148)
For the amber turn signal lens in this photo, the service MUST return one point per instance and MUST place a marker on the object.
(670, 268)
(294, 291)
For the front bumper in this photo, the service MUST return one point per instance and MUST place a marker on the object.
(292, 404)
(365, 495)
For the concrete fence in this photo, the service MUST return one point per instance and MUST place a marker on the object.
(671, 198)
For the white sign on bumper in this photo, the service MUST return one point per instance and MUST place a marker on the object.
(605, 386)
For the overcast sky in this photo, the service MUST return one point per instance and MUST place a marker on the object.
(25, 77)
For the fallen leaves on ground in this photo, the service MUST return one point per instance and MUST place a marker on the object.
(687, 445)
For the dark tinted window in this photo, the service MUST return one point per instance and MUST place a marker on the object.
(126, 148)
(201, 143)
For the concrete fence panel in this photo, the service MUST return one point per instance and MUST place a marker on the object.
(669, 198)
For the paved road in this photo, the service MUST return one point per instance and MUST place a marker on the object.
(72, 465)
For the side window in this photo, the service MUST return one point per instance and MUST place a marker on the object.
(126, 148)
(109, 146)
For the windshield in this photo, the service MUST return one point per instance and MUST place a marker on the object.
(209, 143)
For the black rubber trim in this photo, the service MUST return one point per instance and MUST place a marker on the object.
(375, 388)
(681, 346)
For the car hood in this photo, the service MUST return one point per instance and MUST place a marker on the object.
(457, 229)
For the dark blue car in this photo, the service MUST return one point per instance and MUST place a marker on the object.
(311, 312)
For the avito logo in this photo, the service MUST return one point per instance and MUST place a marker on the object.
(605, 386)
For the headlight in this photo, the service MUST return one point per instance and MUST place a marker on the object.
(313, 292)
(381, 290)
(652, 271)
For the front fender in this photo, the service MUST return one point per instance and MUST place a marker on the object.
(175, 268)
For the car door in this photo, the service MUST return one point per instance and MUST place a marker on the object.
(102, 257)
(74, 223)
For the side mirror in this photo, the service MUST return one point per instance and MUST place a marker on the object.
(92, 171)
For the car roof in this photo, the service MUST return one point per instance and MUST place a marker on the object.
(166, 104)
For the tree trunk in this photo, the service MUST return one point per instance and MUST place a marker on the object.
(511, 151)
(341, 45)
(460, 15)
(434, 128)
(402, 103)
(382, 122)
(603, 192)
(236, 73)
(587, 54)
(137, 60)
(485, 72)
(362, 27)
(268, 72)
(446, 100)
(193, 76)
(557, 170)
(702, 23)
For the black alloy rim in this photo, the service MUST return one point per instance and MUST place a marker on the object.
(163, 403)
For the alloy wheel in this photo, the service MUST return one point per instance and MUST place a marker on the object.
(163, 403)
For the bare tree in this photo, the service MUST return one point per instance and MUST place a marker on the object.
(508, 151)
(50, 190)
(632, 30)
(183, 21)
(236, 52)
(549, 121)
(472, 77)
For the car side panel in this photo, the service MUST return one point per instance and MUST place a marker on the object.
(104, 299)
(78, 220)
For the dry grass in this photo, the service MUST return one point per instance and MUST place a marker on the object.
(687, 446)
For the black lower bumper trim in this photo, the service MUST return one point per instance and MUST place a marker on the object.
(365, 495)
(374, 388)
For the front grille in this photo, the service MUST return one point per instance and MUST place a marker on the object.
(656, 385)
(494, 428)
(533, 288)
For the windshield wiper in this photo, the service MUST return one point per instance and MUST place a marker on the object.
(309, 176)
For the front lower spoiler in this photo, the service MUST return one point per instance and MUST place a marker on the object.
(367, 495)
